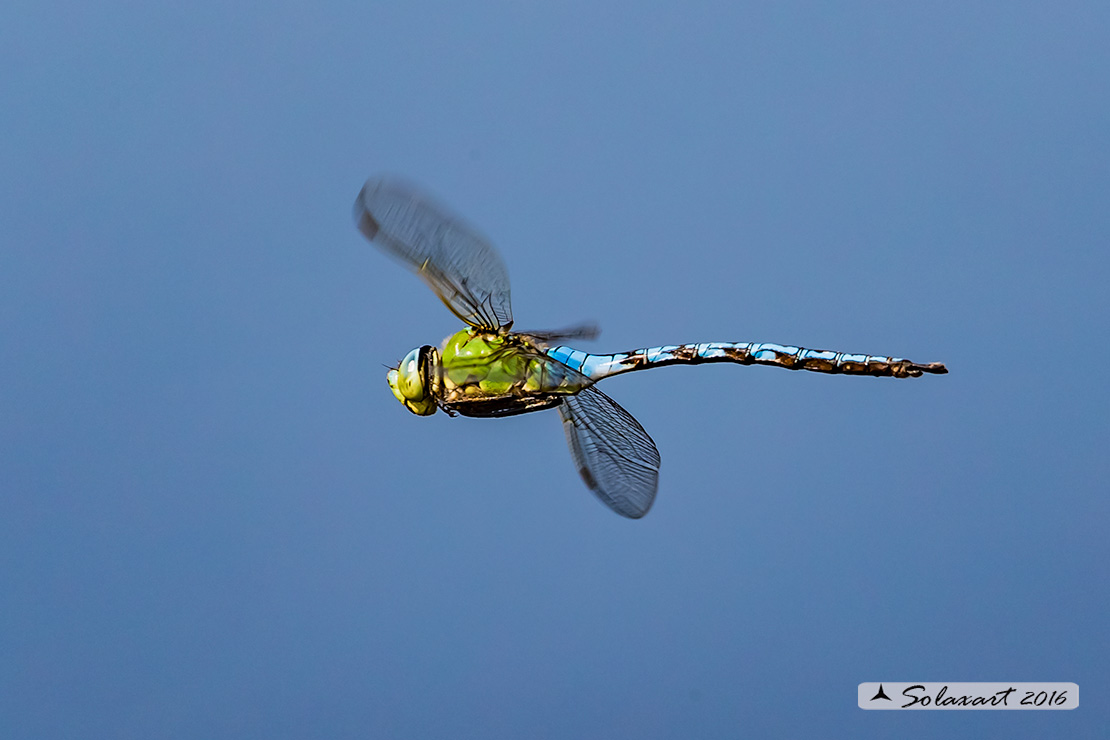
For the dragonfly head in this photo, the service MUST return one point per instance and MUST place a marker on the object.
(412, 382)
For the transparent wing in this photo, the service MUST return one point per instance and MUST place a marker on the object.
(457, 262)
(585, 332)
(614, 455)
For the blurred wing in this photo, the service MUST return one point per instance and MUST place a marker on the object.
(459, 264)
(614, 455)
(587, 332)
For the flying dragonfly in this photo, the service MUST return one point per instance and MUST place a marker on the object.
(488, 370)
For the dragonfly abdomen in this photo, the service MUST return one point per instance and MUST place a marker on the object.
(597, 367)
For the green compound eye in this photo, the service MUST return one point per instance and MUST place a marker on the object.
(410, 377)
(409, 382)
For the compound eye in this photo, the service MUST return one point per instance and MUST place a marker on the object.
(411, 379)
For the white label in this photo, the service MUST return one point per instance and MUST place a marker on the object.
(978, 695)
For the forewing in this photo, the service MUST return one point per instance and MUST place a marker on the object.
(457, 262)
(615, 456)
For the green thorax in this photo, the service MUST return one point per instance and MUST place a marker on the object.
(483, 365)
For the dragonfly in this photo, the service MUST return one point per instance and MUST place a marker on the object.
(487, 370)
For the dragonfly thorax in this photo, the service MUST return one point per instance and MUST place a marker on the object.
(413, 381)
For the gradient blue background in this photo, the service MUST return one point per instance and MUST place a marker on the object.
(216, 522)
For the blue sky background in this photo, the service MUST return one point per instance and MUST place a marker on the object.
(215, 520)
